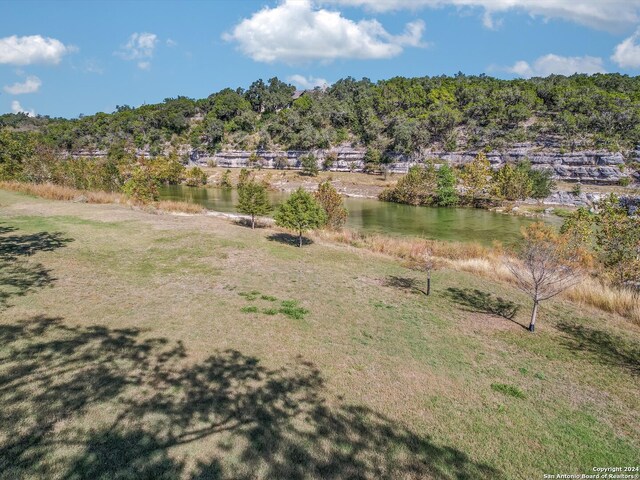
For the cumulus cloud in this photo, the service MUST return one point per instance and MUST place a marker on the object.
(17, 108)
(294, 32)
(30, 85)
(627, 53)
(600, 14)
(556, 64)
(32, 49)
(140, 48)
(307, 83)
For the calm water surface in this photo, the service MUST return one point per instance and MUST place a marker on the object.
(372, 216)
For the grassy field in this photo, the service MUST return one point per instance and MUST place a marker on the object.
(135, 345)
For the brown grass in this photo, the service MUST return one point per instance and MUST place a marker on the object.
(179, 207)
(51, 191)
(58, 192)
(488, 263)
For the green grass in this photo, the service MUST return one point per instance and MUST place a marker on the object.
(129, 348)
(509, 390)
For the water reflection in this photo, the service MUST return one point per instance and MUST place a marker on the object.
(372, 216)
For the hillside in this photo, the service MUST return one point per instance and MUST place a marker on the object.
(578, 121)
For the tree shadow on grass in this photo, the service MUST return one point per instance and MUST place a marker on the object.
(246, 222)
(94, 402)
(404, 283)
(13, 246)
(607, 348)
(477, 301)
(288, 239)
(19, 277)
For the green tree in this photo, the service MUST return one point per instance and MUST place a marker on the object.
(417, 187)
(253, 200)
(225, 181)
(141, 186)
(618, 241)
(333, 205)
(195, 177)
(244, 177)
(166, 170)
(301, 212)
(309, 164)
(446, 188)
(511, 183)
(476, 176)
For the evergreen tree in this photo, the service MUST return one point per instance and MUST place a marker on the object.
(446, 191)
(253, 200)
(301, 212)
(511, 183)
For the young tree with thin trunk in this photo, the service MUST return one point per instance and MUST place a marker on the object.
(253, 200)
(301, 212)
(545, 266)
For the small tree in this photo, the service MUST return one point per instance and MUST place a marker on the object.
(253, 200)
(618, 241)
(446, 191)
(542, 183)
(545, 265)
(333, 205)
(301, 212)
(195, 177)
(141, 186)
(309, 165)
(329, 160)
(280, 163)
(225, 181)
(476, 176)
(511, 183)
(245, 177)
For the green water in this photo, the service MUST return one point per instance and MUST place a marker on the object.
(372, 216)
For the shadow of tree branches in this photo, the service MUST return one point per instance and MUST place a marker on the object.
(99, 403)
(18, 276)
(609, 349)
(477, 301)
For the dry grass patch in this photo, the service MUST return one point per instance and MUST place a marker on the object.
(179, 207)
(58, 192)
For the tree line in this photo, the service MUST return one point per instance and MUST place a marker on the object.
(399, 115)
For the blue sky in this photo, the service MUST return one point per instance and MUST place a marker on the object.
(65, 58)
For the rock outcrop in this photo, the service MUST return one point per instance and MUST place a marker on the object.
(586, 166)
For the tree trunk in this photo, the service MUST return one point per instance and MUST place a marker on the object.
(300, 239)
(253, 221)
(428, 282)
(534, 315)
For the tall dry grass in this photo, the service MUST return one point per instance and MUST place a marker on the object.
(51, 191)
(487, 262)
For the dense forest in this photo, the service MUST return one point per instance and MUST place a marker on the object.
(401, 115)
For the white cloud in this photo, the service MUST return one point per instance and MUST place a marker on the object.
(17, 108)
(295, 32)
(599, 14)
(171, 43)
(30, 85)
(31, 49)
(556, 64)
(627, 53)
(307, 83)
(140, 47)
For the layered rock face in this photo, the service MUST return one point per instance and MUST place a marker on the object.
(586, 166)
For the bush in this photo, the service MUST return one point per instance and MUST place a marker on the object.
(195, 177)
(141, 187)
(333, 205)
(417, 187)
(309, 165)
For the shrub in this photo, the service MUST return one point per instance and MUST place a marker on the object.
(333, 205)
(291, 309)
(253, 200)
(141, 187)
(301, 212)
(195, 177)
(309, 165)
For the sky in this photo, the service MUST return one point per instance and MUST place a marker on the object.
(68, 58)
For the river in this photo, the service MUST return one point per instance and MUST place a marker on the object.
(372, 216)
